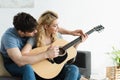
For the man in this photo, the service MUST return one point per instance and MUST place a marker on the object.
(15, 38)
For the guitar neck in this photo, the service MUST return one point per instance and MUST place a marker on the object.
(89, 32)
(79, 39)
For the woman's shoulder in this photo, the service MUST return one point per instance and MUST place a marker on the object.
(59, 35)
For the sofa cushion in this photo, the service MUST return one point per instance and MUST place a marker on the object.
(3, 71)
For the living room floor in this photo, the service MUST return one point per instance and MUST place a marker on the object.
(83, 78)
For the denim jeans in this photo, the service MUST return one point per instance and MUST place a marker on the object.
(70, 72)
(26, 72)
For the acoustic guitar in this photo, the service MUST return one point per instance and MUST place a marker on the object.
(50, 68)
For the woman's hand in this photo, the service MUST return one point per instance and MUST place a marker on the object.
(52, 52)
(83, 38)
(77, 32)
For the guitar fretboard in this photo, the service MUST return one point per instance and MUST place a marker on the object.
(76, 40)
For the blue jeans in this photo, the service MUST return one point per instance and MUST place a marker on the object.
(26, 72)
(70, 72)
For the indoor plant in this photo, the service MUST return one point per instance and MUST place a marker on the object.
(115, 70)
(115, 55)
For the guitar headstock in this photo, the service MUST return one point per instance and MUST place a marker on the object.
(98, 28)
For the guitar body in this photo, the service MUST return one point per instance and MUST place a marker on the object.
(45, 68)
(48, 69)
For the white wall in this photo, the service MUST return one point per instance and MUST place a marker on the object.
(80, 14)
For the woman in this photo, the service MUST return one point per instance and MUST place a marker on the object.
(47, 34)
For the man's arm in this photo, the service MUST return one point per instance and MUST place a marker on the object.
(16, 55)
(26, 49)
(28, 46)
(20, 60)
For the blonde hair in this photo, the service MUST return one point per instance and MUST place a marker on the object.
(45, 19)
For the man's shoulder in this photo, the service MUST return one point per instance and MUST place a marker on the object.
(10, 32)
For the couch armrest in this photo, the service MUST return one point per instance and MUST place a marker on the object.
(3, 71)
(4, 74)
(83, 61)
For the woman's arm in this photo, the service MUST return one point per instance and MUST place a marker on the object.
(77, 32)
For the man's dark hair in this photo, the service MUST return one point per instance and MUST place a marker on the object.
(24, 22)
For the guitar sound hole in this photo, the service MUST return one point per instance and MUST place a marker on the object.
(61, 51)
(60, 59)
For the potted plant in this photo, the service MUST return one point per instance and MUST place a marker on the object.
(115, 55)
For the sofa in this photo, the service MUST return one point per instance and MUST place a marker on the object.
(82, 60)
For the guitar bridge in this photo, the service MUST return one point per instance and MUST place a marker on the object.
(51, 60)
